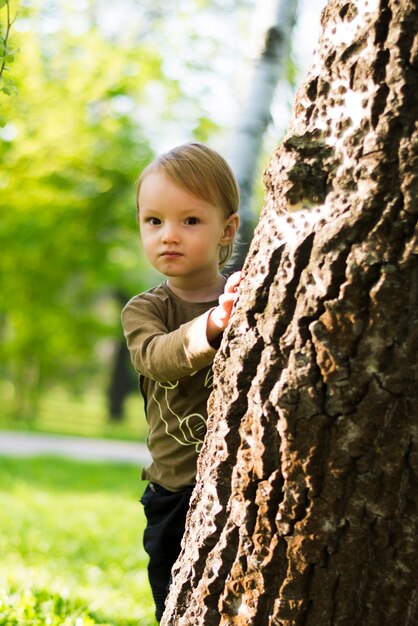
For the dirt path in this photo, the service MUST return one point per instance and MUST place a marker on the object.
(14, 443)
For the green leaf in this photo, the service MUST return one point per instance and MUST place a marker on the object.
(7, 85)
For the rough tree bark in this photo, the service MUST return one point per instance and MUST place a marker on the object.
(305, 512)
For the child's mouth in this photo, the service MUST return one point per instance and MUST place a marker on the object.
(171, 255)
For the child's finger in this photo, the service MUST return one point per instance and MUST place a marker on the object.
(226, 298)
(233, 282)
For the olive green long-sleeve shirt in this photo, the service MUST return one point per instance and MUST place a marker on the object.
(167, 341)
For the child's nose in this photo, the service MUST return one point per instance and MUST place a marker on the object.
(170, 233)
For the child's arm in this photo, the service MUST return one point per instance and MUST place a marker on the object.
(158, 353)
(167, 356)
(219, 316)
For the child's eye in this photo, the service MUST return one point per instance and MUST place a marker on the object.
(191, 221)
(154, 221)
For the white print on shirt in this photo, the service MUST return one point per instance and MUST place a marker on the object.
(193, 426)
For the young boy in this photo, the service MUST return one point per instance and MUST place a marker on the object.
(187, 212)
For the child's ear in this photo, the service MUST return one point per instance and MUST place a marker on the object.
(231, 224)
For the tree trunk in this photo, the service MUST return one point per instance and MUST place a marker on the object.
(305, 511)
(247, 138)
(120, 384)
(122, 381)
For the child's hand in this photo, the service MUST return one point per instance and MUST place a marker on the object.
(219, 317)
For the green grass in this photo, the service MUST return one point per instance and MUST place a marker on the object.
(61, 412)
(71, 544)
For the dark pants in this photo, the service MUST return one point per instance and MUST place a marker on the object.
(166, 516)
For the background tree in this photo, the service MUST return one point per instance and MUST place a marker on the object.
(247, 139)
(305, 510)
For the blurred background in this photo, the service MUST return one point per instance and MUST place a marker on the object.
(92, 90)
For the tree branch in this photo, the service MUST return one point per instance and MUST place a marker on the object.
(6, 54)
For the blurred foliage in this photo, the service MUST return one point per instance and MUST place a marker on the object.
(69, 157)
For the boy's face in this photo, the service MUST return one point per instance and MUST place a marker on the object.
(180, 233)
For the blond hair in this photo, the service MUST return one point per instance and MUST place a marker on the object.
(203, 173)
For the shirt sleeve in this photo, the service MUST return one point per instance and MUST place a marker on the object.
(162, 355)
